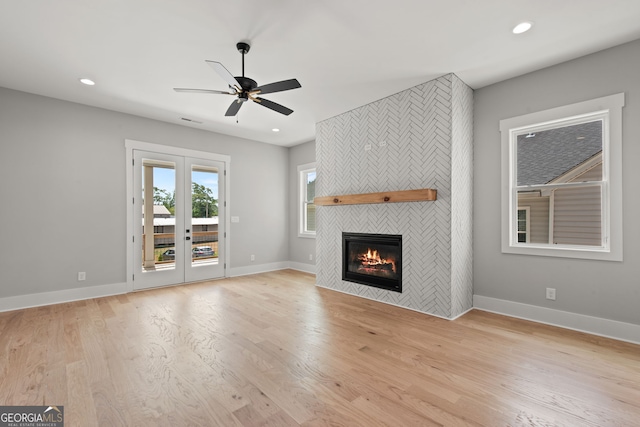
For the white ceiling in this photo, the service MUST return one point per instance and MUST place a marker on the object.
(345, 53)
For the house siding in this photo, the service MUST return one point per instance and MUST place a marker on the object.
(577, 216)
(538, 217)
(577, 212)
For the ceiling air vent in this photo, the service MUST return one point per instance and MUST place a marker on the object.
(191, 121)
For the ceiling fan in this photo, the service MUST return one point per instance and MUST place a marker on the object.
(245, 88)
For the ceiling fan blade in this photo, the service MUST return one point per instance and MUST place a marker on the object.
(277, 87)
(218, 92)
(273, 106)
(224, 73)
(234, 108)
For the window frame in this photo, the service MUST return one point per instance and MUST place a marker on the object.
(303, 172)
(609, 108)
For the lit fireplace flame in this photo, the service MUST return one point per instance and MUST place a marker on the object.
(373, 260)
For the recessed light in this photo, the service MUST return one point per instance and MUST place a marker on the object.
(275, 130)
(522, 27)
(87, 82)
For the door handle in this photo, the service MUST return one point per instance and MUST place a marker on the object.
(187, 238)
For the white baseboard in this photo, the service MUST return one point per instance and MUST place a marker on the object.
(68, 295)
(306, 268)
(57, 297)
(263, 268)
(622, 331)
(258, 268)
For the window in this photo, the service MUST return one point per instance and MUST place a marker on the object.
(523, 225)
(562, 181)
(307, 211)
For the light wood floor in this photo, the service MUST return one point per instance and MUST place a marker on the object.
(273, 349)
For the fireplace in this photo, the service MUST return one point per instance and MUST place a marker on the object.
(373, 260)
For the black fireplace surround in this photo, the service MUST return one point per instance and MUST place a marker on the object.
(373, 260)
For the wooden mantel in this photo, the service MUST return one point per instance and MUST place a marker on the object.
(422, 195)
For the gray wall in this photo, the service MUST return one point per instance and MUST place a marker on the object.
(299, 247)
(63, 192)
(609, 290)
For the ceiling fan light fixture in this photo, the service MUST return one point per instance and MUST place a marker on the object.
(87, 82)
(522, 27)
(245, 88)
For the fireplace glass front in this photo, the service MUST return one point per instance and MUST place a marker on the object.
(373, 260)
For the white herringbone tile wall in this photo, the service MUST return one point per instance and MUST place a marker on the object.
(420, 138)
(461, 197)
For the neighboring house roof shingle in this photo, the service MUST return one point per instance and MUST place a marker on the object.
(161, 210)
(550, 153)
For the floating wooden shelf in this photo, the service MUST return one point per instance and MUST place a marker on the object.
(422, 195)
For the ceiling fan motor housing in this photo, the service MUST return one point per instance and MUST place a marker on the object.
(246, 83)
(246, 89)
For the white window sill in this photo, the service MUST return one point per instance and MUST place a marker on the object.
(579, 252)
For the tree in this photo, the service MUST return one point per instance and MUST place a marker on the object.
(203, 204)
(311, 190)
(163, 197)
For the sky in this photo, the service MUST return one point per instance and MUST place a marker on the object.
(166, 179)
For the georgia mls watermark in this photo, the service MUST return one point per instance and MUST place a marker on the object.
(31, 416)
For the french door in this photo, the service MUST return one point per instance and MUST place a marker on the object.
(178, 219)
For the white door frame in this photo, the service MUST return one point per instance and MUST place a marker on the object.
(130, 146)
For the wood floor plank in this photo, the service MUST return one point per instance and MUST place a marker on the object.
(272, 349)
(82, 412)
(11, 344)
(282, 388)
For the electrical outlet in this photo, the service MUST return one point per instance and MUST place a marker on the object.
(235, 219)
(551, 293)
(253, 257)
(310, 257)
(367, 147)
(82, 276)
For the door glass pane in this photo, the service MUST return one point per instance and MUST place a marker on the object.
(204, 216)
(158, 215)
